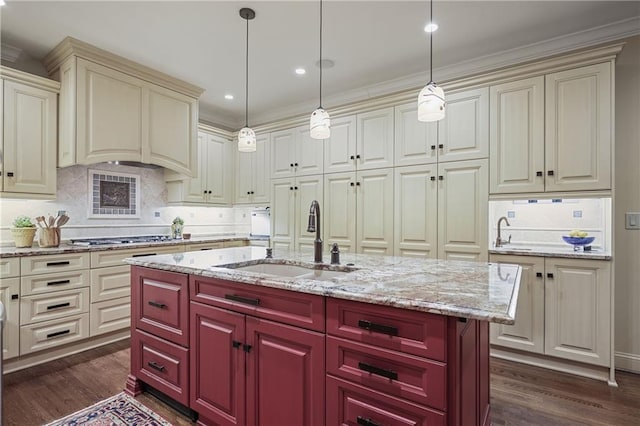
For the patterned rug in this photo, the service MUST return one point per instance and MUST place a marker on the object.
(119, 410)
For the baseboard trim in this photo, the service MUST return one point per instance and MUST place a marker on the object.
(628, 362)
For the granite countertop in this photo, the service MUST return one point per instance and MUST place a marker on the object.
(481, 291)
(551, 251)
(67, 247)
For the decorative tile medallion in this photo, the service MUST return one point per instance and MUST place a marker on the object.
(113, 195)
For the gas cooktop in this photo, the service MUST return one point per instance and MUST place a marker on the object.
(120, 240)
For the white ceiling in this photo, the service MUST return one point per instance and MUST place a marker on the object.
(371, 42)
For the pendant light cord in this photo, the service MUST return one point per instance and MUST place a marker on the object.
(320, 54)
(431, 44)
(246, 90)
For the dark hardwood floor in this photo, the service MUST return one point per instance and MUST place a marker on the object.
(520, 395)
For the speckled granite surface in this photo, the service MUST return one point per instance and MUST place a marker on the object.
(12, 251)
(550, 251)
(472, 290)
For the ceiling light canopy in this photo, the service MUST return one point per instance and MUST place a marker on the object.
(246, 135)
(320, 122)
(431, 104)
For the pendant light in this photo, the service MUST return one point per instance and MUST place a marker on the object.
(246, 135)
(431, 98)
(320, 123)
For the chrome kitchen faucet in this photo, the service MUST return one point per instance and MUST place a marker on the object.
(499, 241)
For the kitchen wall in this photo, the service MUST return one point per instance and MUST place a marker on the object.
(155, 214)
(627, 199)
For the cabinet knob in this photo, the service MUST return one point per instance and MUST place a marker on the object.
(433, 147)
(248, 192)
(440, 146)
(251, 192)
(440, 177)
(291, 165)
(549, 275)
(357, 156)
(10, 174)
(538, 274)
(295, 164)
(538, 173)
(351, 183)
(291, 188)
(352, 158)
(550, 173)
(357, 183)
(433, 178)
(295, 187)
(209, 192)
(204, 192)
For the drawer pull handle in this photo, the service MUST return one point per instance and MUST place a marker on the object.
(59, 282)
(157, 304)
(366, 422)
(389, 374)
(156, 366)
(380, 328)
(58, 333)
(61, 263)
(549, 275)
(236, 344)
(144, 254)
(538, 274)
(59, 305)
(241, 299)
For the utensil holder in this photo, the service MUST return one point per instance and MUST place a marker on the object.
(49, 237)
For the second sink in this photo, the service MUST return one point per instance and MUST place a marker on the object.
(291, 271)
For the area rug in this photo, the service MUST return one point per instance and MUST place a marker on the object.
(119, 410)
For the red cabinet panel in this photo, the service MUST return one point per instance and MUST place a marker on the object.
(161, 364)
(160, 303)
(412, 332)
(406, 376)
(288, 307)
(349, 405)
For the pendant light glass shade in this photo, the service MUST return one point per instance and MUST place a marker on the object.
(246, 135)
(320, 124)
(431, 103)
(246, 140)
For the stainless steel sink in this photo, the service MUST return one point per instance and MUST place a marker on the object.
(312, 272)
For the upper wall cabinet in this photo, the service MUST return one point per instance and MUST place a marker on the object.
(114, 109)
(253, 173)
(295, 153)
(340, 148)
(28, 137)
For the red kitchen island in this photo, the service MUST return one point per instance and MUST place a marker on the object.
(240, 339)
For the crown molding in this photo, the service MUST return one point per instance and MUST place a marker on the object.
(226, 134)
(71, 46)
(10, 53)
(32, 80)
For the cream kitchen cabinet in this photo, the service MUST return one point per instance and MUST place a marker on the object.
(253, 173)
(359, 211)
(28, 137)
(553, 133)
(462, 135)
(340, 148)
(295, 153)
(290, 203)
(10, 298)
(213, 183)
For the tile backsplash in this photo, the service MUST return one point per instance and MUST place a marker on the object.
(156, 214)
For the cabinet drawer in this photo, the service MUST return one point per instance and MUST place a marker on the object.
(36, 337)
(110, 315)
(32, 265)
(289, 307)
(50, 306)
(161, 364)
(203, 246)
(412, 332)
(10, 267)
(406, 376)
(48, 283)
(161, 303)
(110, 283)
(349, 405)
(101, 259)
(237, 243)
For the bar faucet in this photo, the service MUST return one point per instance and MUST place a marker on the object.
(314, 226)
(499, 241)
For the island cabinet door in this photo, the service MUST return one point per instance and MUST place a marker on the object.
(285, 374)
(217, 386)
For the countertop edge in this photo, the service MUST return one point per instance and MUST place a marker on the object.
(551, 253)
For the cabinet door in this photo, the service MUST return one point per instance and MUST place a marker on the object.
(285, 374)
(218, 173)
(244, 176)
(578, 310)
(109, 120)
(308, 188)
(171, 131)
(11, 333)
(260, 184)
(196, 186)
(415, 141)
(578, 129)
(464, 132)
(283, 216)
(217, 360)
(517, 136)
(462, 210)
(309, 156)
(30, 123)
(283, 153)
(340, 148)
(374, 139)
(340, 210)
(374, 198)
(416, 211)
(527, 333)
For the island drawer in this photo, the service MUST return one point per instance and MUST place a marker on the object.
(349, 404)
(405, 376)
(10, 267)
(45, 335)
(41, 284)
(32, 265)
(412, 332)
(160, 303)
(53, 305)
(161, 364)
(288, 307)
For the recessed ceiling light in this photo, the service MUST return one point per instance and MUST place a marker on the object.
(2, 3)
(301, 71)
(228, 97)
(430, 27)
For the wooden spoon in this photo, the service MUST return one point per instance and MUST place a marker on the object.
(62, 220)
